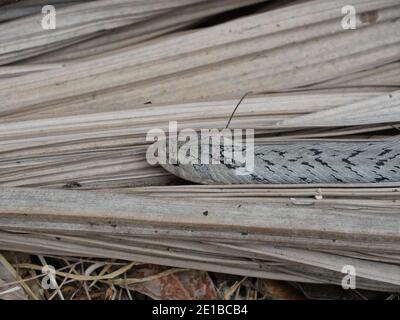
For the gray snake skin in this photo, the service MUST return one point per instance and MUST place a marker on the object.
(305, 162)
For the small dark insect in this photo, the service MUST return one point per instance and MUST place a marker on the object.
(72, 185)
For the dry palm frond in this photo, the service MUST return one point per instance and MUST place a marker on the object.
(255, 53)
(122, 227)
(29, 39)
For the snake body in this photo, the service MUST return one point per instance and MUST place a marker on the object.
(303, 163)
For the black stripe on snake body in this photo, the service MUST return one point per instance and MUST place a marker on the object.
(305, 162)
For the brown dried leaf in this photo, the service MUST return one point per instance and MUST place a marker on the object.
(280, 290)
(187, 285)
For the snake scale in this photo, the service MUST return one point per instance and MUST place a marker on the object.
(303, 163)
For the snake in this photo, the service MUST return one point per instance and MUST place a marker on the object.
(310, 162)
